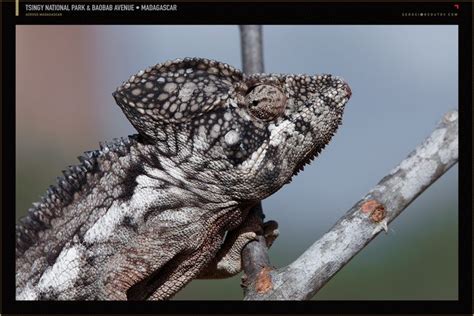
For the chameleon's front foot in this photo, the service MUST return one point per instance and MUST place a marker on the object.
(228, 261)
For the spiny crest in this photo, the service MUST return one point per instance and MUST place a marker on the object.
(58, 196)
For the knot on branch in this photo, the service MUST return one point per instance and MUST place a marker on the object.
(263, 284)
(375, 209)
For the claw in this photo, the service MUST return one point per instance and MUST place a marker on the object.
(270, 232)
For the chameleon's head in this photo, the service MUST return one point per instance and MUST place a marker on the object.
(251, 133)
(299, 114)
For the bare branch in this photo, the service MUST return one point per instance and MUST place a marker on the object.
(304, 277)
(252, 48)
(255, 254)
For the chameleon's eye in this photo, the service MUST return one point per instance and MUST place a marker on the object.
(265, 102)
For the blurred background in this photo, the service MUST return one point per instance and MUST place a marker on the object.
(403, 79)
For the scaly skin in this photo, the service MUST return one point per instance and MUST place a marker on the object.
(143, 216)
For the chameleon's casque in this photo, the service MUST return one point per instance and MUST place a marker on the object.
(143, 216)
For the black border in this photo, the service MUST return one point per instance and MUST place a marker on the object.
(261, 13)
(249, 13)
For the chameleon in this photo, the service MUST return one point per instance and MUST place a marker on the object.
(142, 216)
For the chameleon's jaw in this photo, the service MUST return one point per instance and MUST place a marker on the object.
(333, 108)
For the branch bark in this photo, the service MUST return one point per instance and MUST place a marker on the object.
(251, 44)
(306, 275)
(255, 254)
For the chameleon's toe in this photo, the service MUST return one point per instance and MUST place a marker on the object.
(270, 232)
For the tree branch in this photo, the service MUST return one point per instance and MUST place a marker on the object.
(251, 44)
(304, 277)
(255, 254)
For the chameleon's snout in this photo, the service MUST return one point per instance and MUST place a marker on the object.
(345, 86)
(348, 89)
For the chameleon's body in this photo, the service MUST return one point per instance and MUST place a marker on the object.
(143, 216)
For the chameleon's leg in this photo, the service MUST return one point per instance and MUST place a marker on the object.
(184, 267)
(183, 270)
(133, 265)
(139, 274)
(228, 261)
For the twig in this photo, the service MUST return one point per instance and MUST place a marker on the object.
(252, 48)
(255, 254)
(306, 275)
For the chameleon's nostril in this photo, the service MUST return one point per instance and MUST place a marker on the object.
(348, 90)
